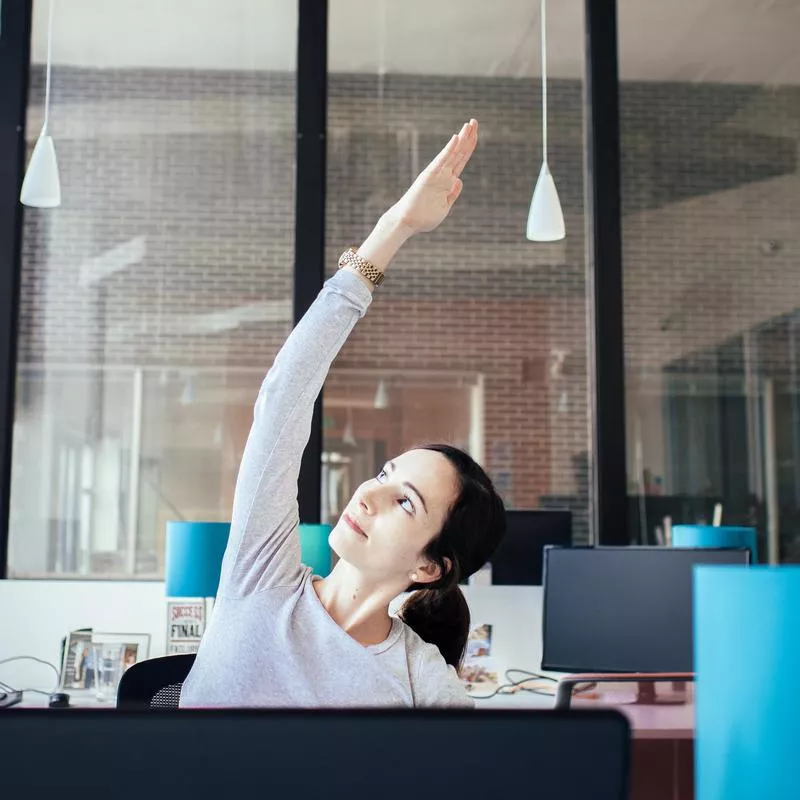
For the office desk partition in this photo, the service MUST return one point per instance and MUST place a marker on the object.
(304, 754)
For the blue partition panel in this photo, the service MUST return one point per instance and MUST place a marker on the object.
(747, 664)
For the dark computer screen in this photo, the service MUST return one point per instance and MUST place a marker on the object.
(392, 754)
(622, 609)
(519, 558)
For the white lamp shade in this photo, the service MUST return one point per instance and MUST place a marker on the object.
(42, 186)
(545, 219)
(348, 436)
(188, 394)
(381, 396)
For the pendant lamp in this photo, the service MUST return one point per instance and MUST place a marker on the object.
(545, 218)
(381, 396)
(41, 187)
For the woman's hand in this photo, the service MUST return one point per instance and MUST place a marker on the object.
(430, 198)
(424, 205)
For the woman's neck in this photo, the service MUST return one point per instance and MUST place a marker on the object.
(356, 605)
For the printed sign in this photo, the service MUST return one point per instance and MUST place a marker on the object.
(186, 622)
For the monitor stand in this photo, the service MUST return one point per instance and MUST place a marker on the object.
(646, 689)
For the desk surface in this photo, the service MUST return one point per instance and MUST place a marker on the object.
(78, 698)
(647, 721)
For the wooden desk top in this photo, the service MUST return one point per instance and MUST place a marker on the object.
(651, 721)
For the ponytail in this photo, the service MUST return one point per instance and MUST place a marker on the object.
(440, 617)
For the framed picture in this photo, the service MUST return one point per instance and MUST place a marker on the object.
(133, 647)
(479, 670)
(75, 660)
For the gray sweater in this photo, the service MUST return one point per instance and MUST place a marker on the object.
(270, 641)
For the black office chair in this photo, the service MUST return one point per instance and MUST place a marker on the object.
(154, 684)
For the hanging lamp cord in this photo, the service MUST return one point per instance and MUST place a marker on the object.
(49, 61)
(544, 80)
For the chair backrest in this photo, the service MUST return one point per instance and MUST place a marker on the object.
(154, 684)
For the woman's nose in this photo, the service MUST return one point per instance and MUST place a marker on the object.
(366, 502)
(369, 500)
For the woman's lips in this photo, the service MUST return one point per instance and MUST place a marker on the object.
(354, 525)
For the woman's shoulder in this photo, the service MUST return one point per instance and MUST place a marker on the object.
(419, 651)
(434, 682)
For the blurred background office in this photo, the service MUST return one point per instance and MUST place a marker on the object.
(152, 301)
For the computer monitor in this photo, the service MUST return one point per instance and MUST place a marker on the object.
(518, 559)
(622, 609)
(393, 754)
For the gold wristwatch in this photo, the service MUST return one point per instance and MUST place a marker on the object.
(351, 258)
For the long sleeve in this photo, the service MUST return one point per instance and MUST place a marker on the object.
(263, 549)
(436, 683)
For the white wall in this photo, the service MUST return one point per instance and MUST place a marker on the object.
(35, 615)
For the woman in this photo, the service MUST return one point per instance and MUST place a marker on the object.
(278, 636)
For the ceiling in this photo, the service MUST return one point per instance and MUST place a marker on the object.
(729, 41)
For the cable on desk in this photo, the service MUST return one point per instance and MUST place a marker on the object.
(513, 686)
(31, 658)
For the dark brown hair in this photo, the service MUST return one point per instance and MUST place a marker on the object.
(475, 525)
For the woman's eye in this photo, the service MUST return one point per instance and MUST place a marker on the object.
(409, 507)
(382, 475)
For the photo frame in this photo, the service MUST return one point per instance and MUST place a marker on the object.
(97, 659)
(75, 651)
(479, 671)
(134, 647)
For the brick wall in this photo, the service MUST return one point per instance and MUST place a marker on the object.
(178, 210)
(710, 174)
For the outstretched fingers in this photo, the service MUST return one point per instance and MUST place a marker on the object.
(456, 153)
(445, 154)
(467, 141)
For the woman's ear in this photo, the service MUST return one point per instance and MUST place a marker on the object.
(430, 571)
